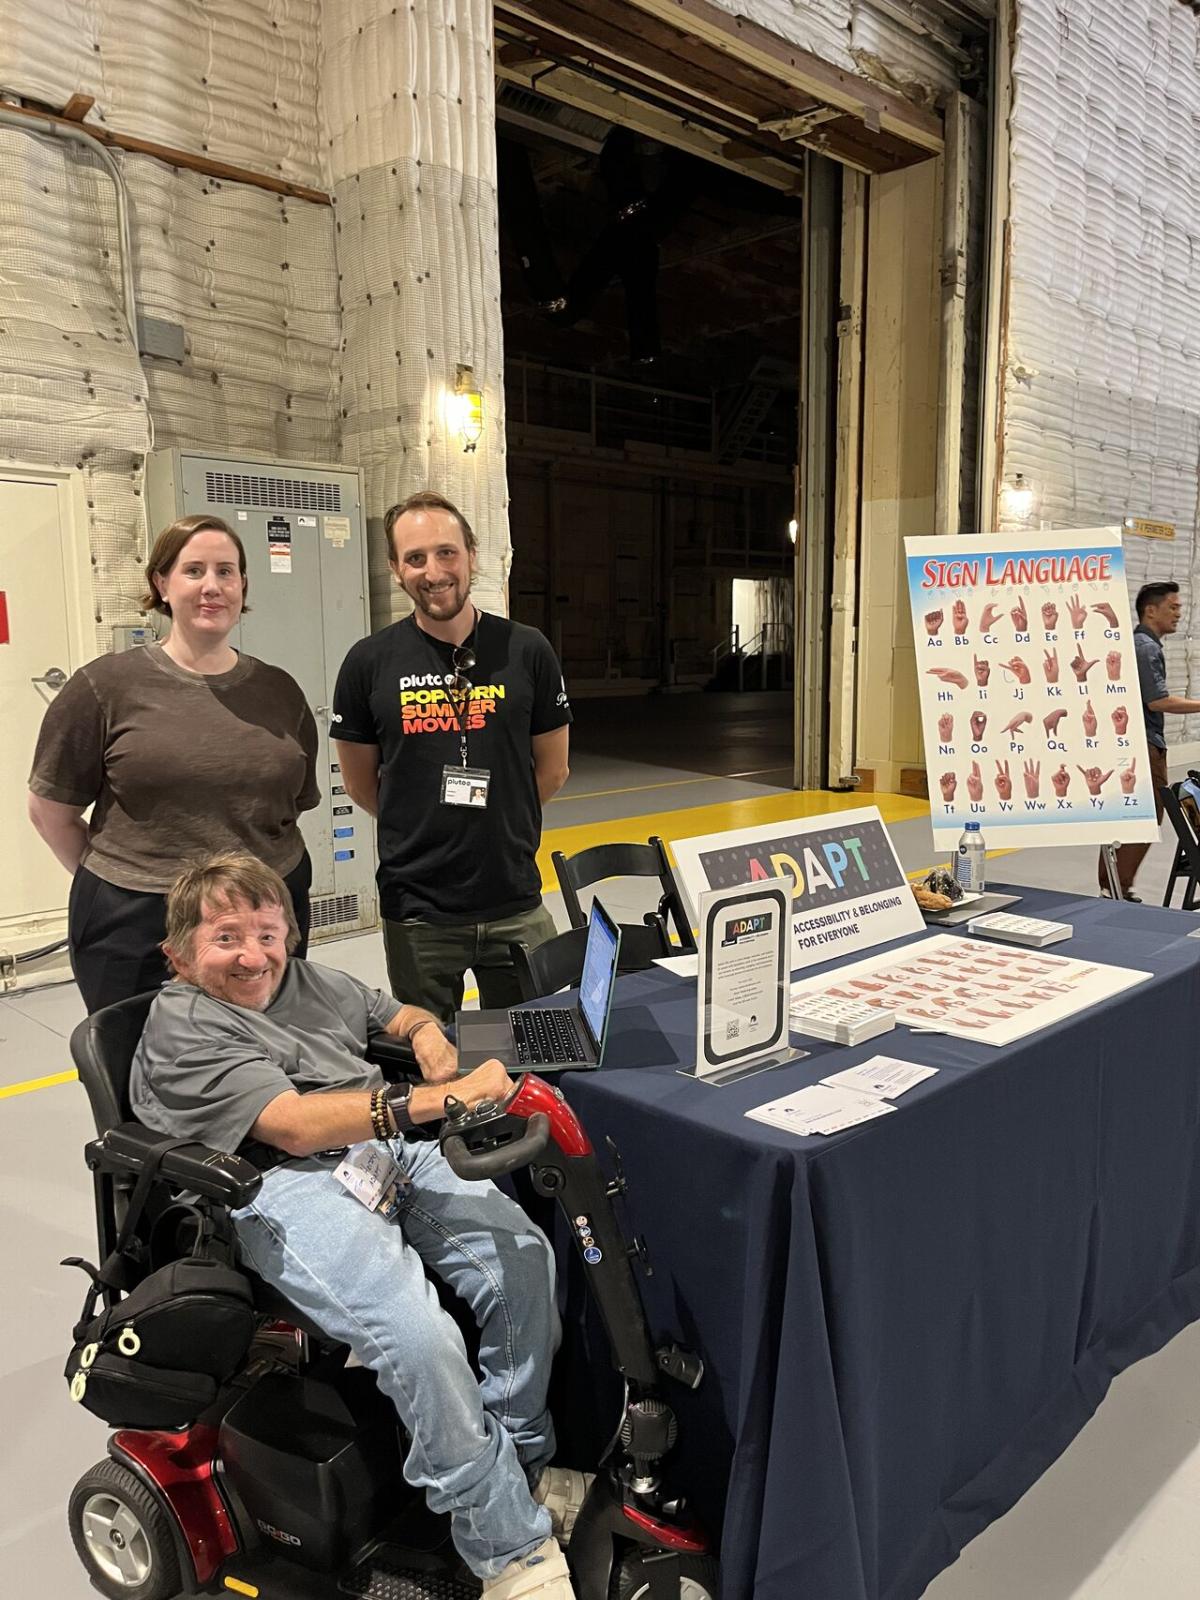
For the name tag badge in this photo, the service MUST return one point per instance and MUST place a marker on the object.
(465, 786)
(373, 1177)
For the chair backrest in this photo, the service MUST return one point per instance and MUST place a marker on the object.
(1189, 845)
(553, 965)
(558, 963)
(619, 860)
(102, 1048)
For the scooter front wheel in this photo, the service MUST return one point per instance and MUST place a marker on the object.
(122, 1535)
(698, 1576)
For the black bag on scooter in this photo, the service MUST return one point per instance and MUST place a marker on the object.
(156, 1357)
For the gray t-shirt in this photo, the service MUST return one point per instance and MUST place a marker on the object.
(206, 1069)
(179, 764)
(1152, 681)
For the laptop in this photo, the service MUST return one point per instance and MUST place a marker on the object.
(551, 1038)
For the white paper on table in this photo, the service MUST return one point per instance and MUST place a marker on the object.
(886, 1076)
(974, 988)
(820, 1109)
(682, 966)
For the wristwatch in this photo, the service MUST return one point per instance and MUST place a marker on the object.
(396, 1097)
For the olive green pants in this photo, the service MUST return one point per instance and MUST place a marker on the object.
(426, 960)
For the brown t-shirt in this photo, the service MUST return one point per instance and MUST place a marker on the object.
(179, 764)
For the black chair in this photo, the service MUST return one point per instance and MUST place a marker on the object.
(602, 861)
(558, 963)
(1186, 864)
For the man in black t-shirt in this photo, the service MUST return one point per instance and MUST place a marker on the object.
(451, 728)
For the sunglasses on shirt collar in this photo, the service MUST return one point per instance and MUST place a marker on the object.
(463, 661)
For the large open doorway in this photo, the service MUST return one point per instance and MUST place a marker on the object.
(651, 309)
(722, 274)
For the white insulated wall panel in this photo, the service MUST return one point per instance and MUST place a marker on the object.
(892, 46)
(233, 79)
(251, 276)
(71, 390)
(821, 26)
(907, 50)
(67, 363)
(409, 106)
(1102, 387)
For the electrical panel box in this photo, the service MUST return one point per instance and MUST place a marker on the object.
(303, 527)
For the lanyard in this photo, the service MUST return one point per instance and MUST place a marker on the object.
(457, 702)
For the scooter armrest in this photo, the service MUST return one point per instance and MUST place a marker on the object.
(394, 1058)
(213, 1174)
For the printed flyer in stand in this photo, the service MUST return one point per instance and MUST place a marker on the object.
(1030, 703)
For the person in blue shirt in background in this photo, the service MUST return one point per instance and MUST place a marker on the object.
(1159, 609)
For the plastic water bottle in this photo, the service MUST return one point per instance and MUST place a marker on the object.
(968, 862)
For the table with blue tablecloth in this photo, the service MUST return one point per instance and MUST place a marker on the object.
(904, 1324)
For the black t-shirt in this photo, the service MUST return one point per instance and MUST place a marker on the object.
(446, 863)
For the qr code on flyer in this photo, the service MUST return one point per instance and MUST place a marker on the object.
(732, 1028)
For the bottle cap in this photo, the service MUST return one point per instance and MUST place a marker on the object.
(972, 827)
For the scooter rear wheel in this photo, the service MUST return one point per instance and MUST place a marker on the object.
(697, 1578)
(121, 1534)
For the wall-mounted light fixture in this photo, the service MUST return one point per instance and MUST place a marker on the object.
(1019, 500)
(465, 408)
(793, 529)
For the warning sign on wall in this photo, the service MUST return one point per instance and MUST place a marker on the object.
(279, 544)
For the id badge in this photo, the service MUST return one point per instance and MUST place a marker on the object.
(374, 1177)
(465, 786)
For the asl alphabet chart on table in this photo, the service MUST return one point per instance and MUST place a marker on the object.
(1030, 703)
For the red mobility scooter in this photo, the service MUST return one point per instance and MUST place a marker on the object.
(289, 1485)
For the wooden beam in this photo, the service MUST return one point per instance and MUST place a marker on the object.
(77, 107)
(632, 111)
(747, 43)
(565, 52)
(799, 127)
(223, 170)
(628, 37)
(516, 52)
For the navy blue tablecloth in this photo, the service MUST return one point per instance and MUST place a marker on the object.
(904, 1324)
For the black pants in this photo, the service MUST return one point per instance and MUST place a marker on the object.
(114, 935)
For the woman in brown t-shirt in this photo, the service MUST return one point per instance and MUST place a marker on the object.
(181, 748)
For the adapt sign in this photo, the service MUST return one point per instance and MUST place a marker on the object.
(849, 891)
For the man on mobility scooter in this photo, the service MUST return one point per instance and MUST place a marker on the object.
(250, 1052)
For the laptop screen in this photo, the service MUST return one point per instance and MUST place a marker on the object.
(599, 972)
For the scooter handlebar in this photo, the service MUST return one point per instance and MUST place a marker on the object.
(472, 1164)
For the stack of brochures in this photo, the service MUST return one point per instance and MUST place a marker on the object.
(1031, 931)
(823, 1016)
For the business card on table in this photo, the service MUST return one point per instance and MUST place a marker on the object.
(886, 1076)
(820, 1109)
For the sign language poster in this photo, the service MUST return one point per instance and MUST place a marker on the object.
(1029, 688)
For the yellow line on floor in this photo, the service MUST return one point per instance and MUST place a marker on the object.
(693, 820)
(636, 788)
(31, 1084)
(671, 783)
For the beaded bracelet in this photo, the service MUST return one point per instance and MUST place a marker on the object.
(381, 1120)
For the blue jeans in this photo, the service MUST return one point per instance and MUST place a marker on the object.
(476, 1444)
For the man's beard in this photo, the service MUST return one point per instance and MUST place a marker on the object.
(440, 605)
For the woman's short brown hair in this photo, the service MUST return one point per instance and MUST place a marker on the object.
(168, 547)
(229, 878)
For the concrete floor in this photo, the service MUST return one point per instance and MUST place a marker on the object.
(1114, 1519)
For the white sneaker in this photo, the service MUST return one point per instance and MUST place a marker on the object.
(561, 1490)
(541, 1575)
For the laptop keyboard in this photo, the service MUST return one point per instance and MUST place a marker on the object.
(546, 1035)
